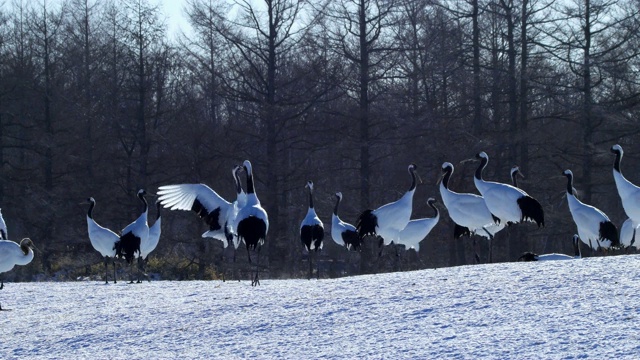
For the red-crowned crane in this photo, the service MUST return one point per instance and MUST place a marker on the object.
(342, 233)
(134, 234)
(252, 223)
(152, 242)
(12, 254)
(388, 220)
(103, 240)
(529, 256)
(508, 203)
(418, 229)
(312, 231)
(593, 224)
(469, 212)
(630, 197)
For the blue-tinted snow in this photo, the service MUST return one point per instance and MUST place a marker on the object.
(586, 308)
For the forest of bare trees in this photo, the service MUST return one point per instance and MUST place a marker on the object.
(97, 99)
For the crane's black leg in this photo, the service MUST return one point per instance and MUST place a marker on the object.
(256, 281)
(106, 270)
(114, 270)
(310, 265)
(318, 265)
(490, 245)
(131, 272)
(140, 269)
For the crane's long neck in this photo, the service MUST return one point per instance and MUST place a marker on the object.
(145, 209)
(250, 187)
(569, 184)
(335, 209)
(238, 184)
(616, 162)
(25, 248)
(483, 164)
(447, 176)
(158, 214)
(413, 179)
(435, 209)
(90, 212)
(310, 198)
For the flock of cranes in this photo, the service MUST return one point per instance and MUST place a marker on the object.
(245, 221)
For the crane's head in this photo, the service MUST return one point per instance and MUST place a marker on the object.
(309, 185)
(447, 167)
(236, 170)
(412, 167)
(515, 171)
(568, 173)
(142, 192)
(431, 201)
(26, 244)
(247, 167)
(482, 155)
(339, 195)
(91, 200)
(617, 149)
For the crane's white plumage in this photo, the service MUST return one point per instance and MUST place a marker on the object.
(3, 228)
(529, 256)
(388, 220)
(134, 234)
(629, 192)
(468, 211)
(311, 228)
(418, 229)
(205, 202)
(342, 233)
(594, 227)
(154, 235)
(12, 254)
(629, 234)
(103, 240)
(507, 202)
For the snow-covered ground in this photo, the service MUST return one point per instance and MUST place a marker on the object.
(586, 308)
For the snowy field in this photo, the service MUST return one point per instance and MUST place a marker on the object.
(587, 308)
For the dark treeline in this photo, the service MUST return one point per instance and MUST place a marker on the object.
(96, 99)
